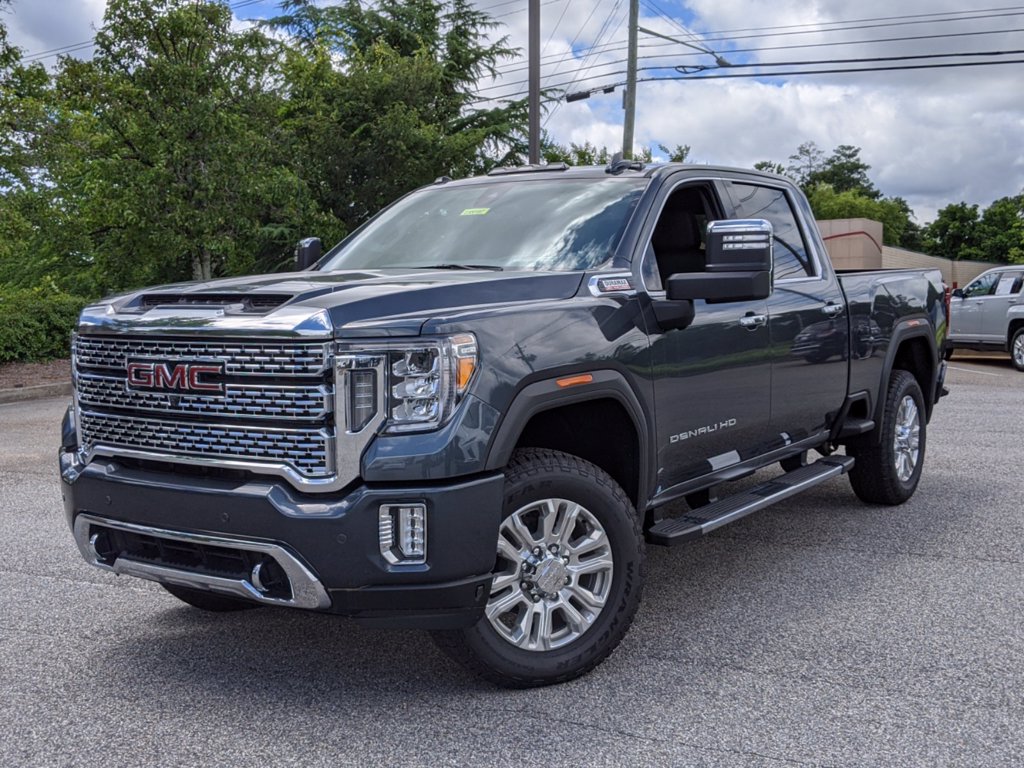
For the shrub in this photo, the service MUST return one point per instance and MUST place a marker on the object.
(36, 324)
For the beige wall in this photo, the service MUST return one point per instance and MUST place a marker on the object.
(853, 243)
(857, 244)
(954, 273)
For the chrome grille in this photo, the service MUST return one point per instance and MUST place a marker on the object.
(255, 401)
(275, 414)
(306, 450)
(244, 358)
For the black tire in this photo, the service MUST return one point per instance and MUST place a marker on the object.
(536, 476)
(209, 601)
(1017, 349)
(876, 477)
(947, 353)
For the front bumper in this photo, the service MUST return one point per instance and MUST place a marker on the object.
(208, 533)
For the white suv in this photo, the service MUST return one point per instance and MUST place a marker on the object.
(989, 314)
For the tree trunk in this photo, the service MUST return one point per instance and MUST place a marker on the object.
(202, 266)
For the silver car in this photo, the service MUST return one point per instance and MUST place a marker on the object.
(989, 314)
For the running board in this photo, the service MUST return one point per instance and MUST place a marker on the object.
(675, 530)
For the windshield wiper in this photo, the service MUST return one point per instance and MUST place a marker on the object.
(492, 267)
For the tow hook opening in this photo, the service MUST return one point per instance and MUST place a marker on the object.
(269, 578)
(102, 548)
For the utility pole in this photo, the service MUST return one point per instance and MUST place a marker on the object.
(629, 97)
(534, 77)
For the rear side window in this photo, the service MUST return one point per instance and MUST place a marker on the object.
(792, 258)
(1009, 284)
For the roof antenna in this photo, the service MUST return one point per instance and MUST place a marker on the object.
(618, 165)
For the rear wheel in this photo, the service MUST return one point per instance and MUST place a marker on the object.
(1017, 350)
(888, 472)
(209, 601)
(567, 578)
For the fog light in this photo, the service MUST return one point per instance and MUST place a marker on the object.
(403, 533)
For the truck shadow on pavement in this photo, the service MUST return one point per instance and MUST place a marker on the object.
(744, 587)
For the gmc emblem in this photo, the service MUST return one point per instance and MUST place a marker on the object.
(159, 376)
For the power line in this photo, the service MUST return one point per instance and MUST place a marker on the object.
(900, 68)
(768, 31)
(755, 65)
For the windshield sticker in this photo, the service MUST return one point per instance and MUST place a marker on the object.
(475, 212)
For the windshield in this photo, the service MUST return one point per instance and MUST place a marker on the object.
(544, 224)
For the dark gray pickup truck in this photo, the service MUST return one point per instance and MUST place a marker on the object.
(471, 415)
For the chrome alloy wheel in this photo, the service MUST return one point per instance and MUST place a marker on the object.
(907, 439)
(553, 576)
(1018, 350)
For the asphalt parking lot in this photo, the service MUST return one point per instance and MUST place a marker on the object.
(819, 632)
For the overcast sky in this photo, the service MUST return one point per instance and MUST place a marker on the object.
(931, 136)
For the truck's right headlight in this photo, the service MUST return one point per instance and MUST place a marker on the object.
(411, 387)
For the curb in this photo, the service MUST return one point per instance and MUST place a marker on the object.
(39, 392)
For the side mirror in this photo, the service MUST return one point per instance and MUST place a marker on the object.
(307, 252)
(958, 293)
(739, 265)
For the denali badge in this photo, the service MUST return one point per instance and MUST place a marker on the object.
(159, 376)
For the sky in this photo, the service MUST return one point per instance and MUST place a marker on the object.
(931, 136)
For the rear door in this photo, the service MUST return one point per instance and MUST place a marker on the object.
(808, 326)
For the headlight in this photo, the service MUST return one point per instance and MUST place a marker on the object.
(411, 387)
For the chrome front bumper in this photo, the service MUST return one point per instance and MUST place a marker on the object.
(306, 589)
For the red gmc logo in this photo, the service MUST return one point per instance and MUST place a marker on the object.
(174, 377)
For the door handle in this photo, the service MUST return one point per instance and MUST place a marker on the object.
(750, 321)
(832, 309)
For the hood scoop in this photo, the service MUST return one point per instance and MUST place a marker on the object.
(228, 303)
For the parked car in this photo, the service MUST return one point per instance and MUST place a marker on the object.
(988, 315)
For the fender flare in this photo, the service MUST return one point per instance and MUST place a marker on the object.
(906, 329)
(546, 395)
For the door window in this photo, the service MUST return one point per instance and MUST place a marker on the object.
(983, 286)
(792, 257)
(678, 242)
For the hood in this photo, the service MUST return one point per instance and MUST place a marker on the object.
(391, 302)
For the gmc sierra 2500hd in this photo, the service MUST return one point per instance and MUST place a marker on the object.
(469, 415)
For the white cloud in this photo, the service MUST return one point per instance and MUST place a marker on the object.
(931, 136)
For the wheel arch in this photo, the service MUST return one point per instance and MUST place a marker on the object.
(1015, 324)
(911, 349)
(601, 422)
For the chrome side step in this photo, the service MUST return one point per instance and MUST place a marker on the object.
(306, 589)
(702, 520)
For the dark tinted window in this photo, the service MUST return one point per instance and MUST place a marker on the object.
(548, 224)
(791, 255)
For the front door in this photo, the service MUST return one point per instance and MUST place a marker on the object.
(968, 311)
(712, 380)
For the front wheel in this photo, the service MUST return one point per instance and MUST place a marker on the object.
(1017, 350)
(567, 578)
(888, 472)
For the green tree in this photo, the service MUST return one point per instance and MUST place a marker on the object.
(384, 99)
(1001, 230)
(844, 171)
(586, 154)
(770, 166)
(828, 203)
(806, 161)
(680, 154)
(955, 233)
(168, 144)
